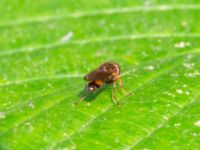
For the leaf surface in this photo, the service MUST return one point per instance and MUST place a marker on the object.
(47, 48)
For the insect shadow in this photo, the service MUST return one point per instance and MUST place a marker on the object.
(90, 96)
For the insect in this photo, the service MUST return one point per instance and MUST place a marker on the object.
(106, 73)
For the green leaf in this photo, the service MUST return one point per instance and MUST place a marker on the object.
(47, 48)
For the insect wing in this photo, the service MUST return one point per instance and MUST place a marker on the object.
(97, 75)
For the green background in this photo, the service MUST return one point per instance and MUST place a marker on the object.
(46, 47)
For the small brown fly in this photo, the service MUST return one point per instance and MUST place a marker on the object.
(107, 73)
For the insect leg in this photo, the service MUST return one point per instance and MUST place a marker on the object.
(82, 97)
(120, 85)
(120, 82)
(113, 94)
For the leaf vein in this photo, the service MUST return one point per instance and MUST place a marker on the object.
(61, 76)
(97, 40)
(110, 11)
